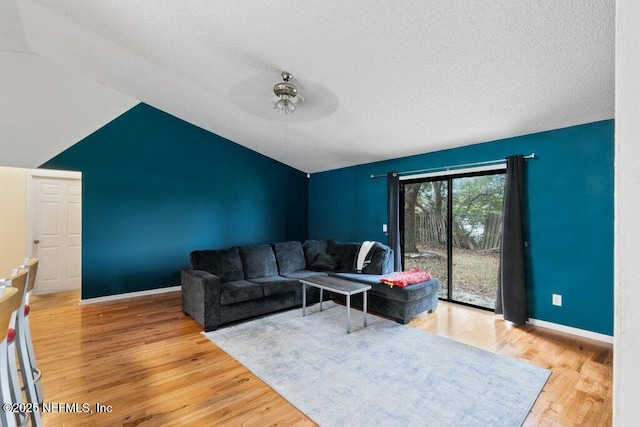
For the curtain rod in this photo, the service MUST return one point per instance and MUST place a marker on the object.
(448, 168)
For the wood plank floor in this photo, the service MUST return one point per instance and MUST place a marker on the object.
(148, 364)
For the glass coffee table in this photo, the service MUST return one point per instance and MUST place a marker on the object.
(339, 286)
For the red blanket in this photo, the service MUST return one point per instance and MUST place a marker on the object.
(404, 278)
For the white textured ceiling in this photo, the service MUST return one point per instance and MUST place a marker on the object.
(381, 79)
(12, 37)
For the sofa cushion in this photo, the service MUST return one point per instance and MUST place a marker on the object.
(408, 293)
(311, 249)
(303, 274)
(324, 262)
(290, 256)
(240, 291)
(277, 285)
(258, 261)
(224, 263)
(381, 261)
(344, 253)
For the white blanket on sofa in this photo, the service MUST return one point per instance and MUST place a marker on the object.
(364, 250)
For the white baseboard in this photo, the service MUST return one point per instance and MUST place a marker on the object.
(571, 330)
(129, 295)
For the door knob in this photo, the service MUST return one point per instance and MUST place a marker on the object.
(36, 241)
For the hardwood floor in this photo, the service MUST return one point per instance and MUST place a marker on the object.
(579, 391)
(56, 299)
(148, 364)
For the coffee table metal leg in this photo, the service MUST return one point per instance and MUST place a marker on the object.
(364, 307)
(304, 299)
(348, 314)
(321, 298)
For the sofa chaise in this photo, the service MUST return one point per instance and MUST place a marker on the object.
(228, 285)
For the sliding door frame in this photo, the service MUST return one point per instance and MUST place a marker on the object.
(448, 177)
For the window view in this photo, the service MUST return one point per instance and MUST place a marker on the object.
(452, 228)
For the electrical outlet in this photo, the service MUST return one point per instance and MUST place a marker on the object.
(384, 228)
(556, 300)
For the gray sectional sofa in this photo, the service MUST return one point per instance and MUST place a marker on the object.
(228, 285)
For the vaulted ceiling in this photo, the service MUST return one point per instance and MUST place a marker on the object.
(381, 79)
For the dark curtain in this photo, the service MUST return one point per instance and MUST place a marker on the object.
(512, 292)
(393, 228)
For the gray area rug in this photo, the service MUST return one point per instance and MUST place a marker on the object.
(385, 374)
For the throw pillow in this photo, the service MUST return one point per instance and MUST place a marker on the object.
(345, 253)
(324, 262)
(311, 250)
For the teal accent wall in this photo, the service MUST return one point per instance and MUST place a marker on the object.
(569, 210)
(155, 188)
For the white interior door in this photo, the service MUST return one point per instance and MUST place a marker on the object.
(56, 231)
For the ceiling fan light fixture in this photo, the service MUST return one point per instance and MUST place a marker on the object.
(287, 94)
(279, 106)
(289, 107)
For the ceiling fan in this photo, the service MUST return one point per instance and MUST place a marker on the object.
(287, 95)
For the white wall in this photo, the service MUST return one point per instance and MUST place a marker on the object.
(626, 371)
(12, 219)
(45, 109)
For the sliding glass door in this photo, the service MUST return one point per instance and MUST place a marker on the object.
(451, 227)
(425, 238)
